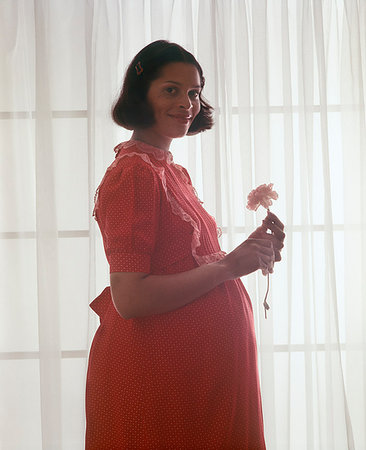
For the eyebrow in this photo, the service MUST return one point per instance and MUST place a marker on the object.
(180, 84)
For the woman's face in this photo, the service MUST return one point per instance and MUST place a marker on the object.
(174, 98)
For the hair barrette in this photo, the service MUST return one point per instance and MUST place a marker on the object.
(139, 68)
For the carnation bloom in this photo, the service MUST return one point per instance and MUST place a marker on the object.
(262, 195)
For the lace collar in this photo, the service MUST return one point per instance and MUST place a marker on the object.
(158, 153)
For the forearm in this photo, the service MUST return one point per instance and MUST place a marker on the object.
(142, 295)
(157, 294)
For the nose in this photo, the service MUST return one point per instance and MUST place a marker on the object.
(185, 102)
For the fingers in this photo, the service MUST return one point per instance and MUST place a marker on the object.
(272, 218)
(264, 246)
(273, 223)
(251, 255)
(276, 226)
(277, 246)
(266, 262)
(277, 231)
(268, 246)
(276, 239)
(266, 253)
(265, 266)
(278, 256)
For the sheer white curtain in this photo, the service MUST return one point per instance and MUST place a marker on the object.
(287, 81)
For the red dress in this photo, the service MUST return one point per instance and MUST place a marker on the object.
(186, 379)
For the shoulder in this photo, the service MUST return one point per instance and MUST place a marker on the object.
(130, 166)
(131, 172)
(128, 176)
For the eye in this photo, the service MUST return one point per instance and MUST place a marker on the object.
(194, 94)
(171, 90)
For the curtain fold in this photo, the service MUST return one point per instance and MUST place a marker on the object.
(46, 241)
(287, 80)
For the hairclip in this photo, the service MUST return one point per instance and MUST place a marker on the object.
(139, 68)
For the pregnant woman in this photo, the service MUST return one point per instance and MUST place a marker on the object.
(173, 364)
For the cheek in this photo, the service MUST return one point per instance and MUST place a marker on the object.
(197, 108)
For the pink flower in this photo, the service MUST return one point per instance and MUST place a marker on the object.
(262, 195)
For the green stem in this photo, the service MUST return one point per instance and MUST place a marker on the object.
(265, 304)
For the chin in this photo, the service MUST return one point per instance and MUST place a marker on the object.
(178, 134)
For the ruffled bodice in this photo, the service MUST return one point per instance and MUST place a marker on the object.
(179, 192)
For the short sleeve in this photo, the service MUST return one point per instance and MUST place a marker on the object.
(129, 216)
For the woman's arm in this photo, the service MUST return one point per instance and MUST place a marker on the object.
(141, 295)
(137, 295)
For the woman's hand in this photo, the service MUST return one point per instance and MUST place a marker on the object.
(249, 256)
(259, 251)
(277, 237)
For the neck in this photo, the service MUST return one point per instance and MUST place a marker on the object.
(149, 137)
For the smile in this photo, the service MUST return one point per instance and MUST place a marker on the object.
(181, 119)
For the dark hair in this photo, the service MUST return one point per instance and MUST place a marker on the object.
(131, 110)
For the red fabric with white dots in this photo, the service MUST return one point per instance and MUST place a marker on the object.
(186, 379)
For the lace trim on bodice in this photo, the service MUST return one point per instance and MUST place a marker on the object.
(177, 209)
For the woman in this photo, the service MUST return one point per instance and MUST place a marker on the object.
(173, 364)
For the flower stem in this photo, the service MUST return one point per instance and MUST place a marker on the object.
(265, 304)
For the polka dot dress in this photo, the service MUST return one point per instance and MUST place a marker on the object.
(186, 379)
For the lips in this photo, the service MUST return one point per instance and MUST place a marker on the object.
(181, 118)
